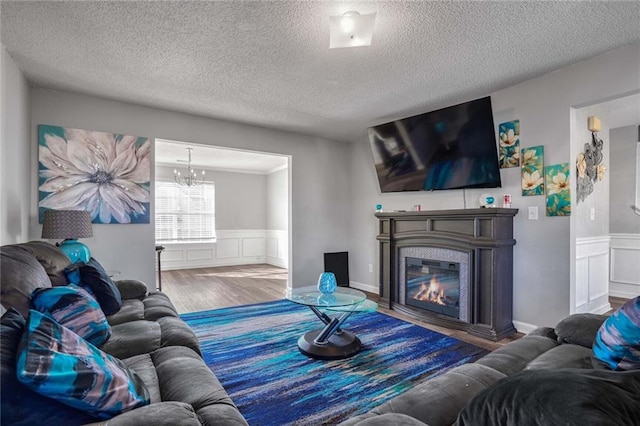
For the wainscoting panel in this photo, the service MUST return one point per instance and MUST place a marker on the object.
(233, 247)
(227, 248)
(592, 272)
(624, 279)
(278, 248)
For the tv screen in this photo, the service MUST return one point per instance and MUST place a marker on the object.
(450, 148)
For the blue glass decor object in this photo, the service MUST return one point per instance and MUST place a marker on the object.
(75, 251)
(327, 300)
(327, 283)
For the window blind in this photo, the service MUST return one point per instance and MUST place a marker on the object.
(185, 213)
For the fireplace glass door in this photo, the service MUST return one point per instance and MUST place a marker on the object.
(433, 285)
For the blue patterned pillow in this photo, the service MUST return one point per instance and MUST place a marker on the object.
(617, 343)
(20, 405)
(93, 275)
(74, 308)
(56, 362)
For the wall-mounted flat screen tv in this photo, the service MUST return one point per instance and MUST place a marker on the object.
(450, 148)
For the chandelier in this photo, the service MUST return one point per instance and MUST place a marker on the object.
(191, 177)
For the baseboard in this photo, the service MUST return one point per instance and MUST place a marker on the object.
(364, 287)
(280, 263)
(213, 264)
(524, 327)
(602, 309)
(623, 294)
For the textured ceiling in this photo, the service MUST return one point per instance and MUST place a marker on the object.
(268, 62)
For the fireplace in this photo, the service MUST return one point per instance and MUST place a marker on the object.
(467, 254)
(433, 285)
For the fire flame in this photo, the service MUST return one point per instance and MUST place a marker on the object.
(431, 293)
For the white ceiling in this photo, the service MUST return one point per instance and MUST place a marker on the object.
(268, 62)
(175, 154)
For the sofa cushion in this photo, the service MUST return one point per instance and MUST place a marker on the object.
(131, 310)
(563, 356)
(21, 274)
(163, 413)
(93, 275)
(515, 356)
(445, 395)
(132, 289)
(617, 343)
(74, 308)
(52, 259)
(133, 338)
(558, 397)
(158, 305)
(56, 362)
(579, 329)
(395, 419)
(21, 405)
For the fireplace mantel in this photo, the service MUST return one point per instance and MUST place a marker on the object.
(486, 234)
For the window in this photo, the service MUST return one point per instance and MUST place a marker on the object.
(185, 214)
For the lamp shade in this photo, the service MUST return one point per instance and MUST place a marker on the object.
(67, 224)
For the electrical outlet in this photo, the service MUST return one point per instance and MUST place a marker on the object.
(592, 213)
(533, 213)
(370, 267)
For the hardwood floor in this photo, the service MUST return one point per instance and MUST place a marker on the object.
(194, 290)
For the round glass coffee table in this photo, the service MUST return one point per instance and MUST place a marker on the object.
(331, 342)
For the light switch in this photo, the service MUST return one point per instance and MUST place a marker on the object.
(533, 213)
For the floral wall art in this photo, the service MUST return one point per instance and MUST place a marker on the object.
(509, 144)
(558, 190)
(533, 170)
(106, 174)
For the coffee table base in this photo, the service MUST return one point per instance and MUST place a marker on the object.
(340, 345)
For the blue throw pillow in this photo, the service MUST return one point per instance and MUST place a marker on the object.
(74, 308)
(20, 405)
(617, 343)
(93, 275)
(56, 362)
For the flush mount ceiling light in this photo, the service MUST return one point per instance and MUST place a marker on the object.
(351, 30)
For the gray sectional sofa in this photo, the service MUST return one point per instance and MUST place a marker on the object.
(146, 334)
(539, 379)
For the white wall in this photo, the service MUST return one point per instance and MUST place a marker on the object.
(15, 153)
(623, 180)
(596, 225)
(277, 250)
(278, 200)
(591, 218)
(624, 279)
(318, 170)
(544, 265)
(241, 198)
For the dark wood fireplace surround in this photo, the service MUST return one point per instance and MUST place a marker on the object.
(486, 234)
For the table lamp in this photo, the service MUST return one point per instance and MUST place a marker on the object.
(69, 225)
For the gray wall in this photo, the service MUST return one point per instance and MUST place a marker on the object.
(15, 153)
(319, 174)
(543, 267)
(241, 198)
(278, 200)
(623, 181)
(598, 200)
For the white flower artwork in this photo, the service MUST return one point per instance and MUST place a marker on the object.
(106, 174)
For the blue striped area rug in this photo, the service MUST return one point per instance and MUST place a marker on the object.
(253, 351)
